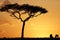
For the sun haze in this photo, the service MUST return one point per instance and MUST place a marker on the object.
(40, 26)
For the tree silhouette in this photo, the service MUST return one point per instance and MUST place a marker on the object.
(29, 9)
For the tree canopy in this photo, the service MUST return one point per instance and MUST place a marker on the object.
(30, 9)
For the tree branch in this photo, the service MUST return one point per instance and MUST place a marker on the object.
(28, 18)
(38, 15)
(20, 17)
(13, 13)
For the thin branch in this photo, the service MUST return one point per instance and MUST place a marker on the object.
(37, 15)
(20, 17)
(14, 15)
(28, 18)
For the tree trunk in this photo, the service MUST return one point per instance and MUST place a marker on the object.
(22, 34)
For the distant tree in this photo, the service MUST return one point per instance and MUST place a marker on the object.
(29, 9)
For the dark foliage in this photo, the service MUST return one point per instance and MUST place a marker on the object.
(31, 10)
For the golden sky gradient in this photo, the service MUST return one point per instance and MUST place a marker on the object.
(41, 26)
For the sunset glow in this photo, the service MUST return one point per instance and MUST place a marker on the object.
(40, 26)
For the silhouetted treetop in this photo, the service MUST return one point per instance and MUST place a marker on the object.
(30, 9)
(25, 7)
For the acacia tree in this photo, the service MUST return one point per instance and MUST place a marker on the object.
(28, 9)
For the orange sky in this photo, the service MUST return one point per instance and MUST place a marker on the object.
(41, 26)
